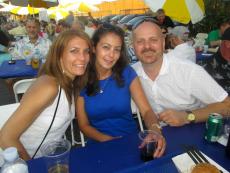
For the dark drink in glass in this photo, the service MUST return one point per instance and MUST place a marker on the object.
(147, 151)
(148, 144)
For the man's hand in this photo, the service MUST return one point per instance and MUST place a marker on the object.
(173, 118)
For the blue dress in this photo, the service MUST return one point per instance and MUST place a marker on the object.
(110, 111)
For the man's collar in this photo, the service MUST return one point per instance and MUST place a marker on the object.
(163, 69)
(27, 40)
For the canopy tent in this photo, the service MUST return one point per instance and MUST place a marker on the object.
(182, 11)
(35, 3)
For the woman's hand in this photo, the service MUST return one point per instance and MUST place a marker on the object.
(160, 141)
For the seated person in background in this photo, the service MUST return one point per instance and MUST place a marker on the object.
(164, 30)
(163, 19)
(20, 30)
(4, 41)
(104, 106)
(70, 18)
(214, 37)
(77, 24)
(219, 66)
(27, 46)
(50, 29)
(180, 92)
(62, 26)
(178, 47)
(61, 74)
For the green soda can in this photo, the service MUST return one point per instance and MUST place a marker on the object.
(213, 127)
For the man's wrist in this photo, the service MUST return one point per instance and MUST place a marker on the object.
(190, 116)
(156, 127)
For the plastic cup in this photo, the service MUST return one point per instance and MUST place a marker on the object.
(149, 138)
(205, 48)
(56, 155)
(28, 60)
(35, 63)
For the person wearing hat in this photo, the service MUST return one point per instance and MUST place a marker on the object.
(214, 37)
(219, 67)
(176, 41)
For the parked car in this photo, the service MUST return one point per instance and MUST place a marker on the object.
(116, 18)
(136, 20)
(107, 18)
(127, 18)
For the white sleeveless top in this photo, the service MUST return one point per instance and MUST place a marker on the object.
(33, 136)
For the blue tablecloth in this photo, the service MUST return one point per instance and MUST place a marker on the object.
(19, 69)
(123, 156)
(203, 56)
(4, 57)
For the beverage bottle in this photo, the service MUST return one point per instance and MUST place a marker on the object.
(13, 164)
(227, 149)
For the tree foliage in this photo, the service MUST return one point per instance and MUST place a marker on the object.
(215, 12)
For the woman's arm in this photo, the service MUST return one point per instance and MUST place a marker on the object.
(84, 124)
(143, 105)
(39, 96)
(149, 117)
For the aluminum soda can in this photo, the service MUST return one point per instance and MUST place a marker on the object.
(213, 127)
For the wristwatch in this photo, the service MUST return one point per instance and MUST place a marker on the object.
(190, 116)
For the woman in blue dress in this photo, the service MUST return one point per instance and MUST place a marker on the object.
(104, 106)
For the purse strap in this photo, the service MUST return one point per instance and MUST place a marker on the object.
(59, 94)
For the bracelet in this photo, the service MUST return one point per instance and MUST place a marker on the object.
(156, 125)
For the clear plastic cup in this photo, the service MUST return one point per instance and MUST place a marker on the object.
(56, 155)
(149, 138)
(205, 48)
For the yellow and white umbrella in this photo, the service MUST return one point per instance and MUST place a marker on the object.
(79, 7)
(182, 11)
(6, 7)
(25, 10)
(57, 13)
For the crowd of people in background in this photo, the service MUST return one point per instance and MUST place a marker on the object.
(153, 54)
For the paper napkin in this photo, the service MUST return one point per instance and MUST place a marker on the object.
(223, 140)
(184, 163)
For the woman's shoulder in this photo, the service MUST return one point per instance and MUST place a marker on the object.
(43, 91)
(128, 69)
(129, 73)
(46, 85)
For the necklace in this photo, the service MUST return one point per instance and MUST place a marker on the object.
(104, 85)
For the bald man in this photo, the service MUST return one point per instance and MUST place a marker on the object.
(179, 91)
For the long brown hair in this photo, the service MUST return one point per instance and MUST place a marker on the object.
(52, 66)
(117, 69)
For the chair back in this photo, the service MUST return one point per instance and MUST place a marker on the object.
(21, 86)
(136, 111)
